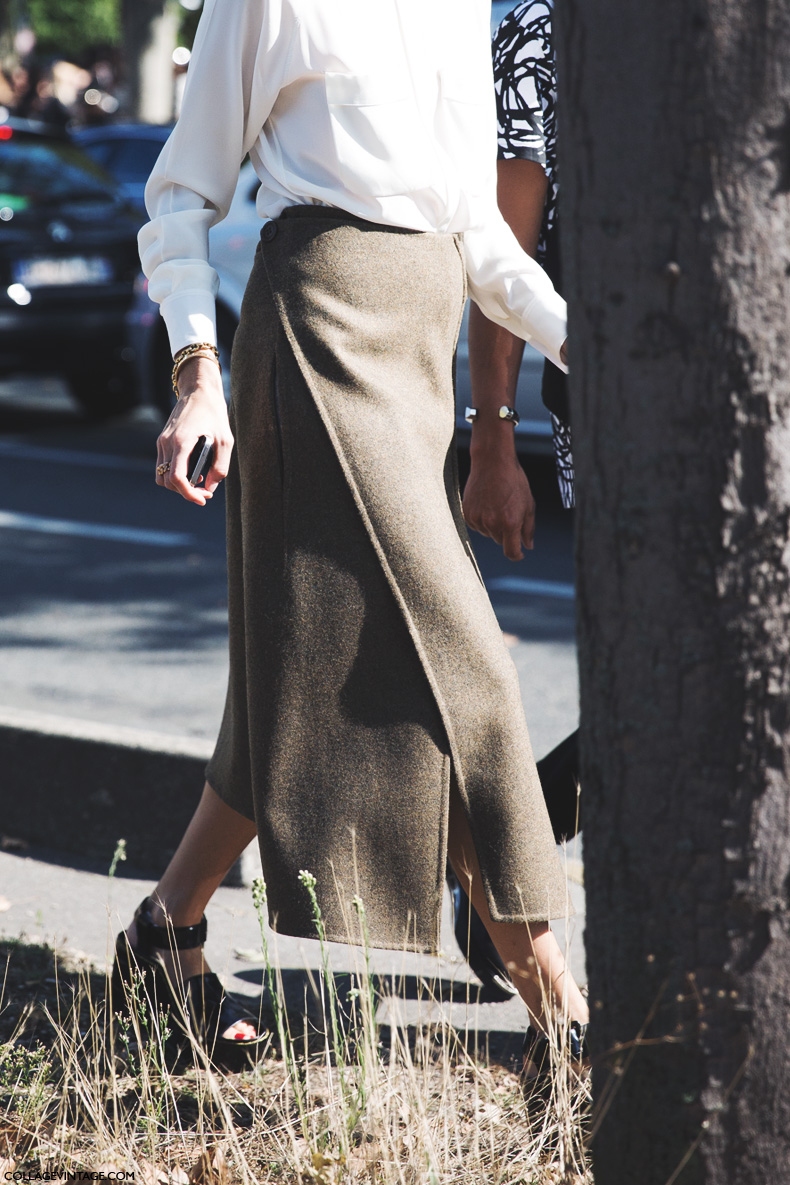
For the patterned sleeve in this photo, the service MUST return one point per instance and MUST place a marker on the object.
(523, 75)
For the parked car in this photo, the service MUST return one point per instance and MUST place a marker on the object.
(68, 264)
(126, 150)
(232, 246)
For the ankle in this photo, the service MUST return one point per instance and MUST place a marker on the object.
(174, 908)
(560, 1019)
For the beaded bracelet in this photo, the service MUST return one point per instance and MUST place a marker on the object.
(196, 350)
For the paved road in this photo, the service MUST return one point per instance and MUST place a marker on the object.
(112, 591)
(113, 609)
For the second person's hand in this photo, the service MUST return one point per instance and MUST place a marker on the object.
(200, 411)
(497, 499)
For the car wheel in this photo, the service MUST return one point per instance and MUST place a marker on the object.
(103, 389)
(162, 363)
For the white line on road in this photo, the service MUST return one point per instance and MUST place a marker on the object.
(64, 456)
(537, 588)
(61, 526)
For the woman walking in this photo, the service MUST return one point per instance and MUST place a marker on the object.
(373, 724)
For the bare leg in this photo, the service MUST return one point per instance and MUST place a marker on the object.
(530, 952)
(213, 841)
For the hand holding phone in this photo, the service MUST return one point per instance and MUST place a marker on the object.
(200, 459)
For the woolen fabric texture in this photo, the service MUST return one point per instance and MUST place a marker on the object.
(367, 668)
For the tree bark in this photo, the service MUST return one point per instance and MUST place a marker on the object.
(675, 167)
(150, 31)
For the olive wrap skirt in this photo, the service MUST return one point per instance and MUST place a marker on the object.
(367, 667)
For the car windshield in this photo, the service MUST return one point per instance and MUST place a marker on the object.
(41, 173)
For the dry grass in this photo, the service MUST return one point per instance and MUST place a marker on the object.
(340, 1102)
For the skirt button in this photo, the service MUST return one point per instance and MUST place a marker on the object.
(269, 232)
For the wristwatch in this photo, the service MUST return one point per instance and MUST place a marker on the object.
(504, 413)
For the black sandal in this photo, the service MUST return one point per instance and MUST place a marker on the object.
(198, 1005)
(536, 1071)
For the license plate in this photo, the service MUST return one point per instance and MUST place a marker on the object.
(62, 272)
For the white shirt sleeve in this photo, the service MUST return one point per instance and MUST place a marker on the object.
(245, 52)
(512, 289)
(194, 179)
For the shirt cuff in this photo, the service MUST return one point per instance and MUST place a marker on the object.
(191, 318)
(548, 324)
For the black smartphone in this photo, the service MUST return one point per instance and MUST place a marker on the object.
(200, 459)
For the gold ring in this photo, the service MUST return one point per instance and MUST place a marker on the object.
(163, 468)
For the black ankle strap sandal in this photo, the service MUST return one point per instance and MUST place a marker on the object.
(198, 1005)
(537, 1069)
(167, 937)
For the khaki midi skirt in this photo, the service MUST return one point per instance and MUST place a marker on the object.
(367, 668)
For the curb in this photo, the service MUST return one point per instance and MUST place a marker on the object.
(77, 787)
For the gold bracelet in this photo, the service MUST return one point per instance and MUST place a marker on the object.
(197, 349)
(195, 354)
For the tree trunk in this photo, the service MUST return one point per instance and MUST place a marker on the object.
(675, 166)
(150, 32)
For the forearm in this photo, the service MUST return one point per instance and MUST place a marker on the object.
(495, 353)
(497, 499)
(494, 361)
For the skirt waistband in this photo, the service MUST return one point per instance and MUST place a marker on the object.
(335, 214)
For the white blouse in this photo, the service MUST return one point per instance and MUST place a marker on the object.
(383, 108)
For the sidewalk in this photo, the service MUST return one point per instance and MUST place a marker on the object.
(46, 899)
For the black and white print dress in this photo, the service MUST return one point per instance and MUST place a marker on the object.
(525, 76)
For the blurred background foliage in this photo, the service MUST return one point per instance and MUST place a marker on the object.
(189, 23)
(70, 27)
(98, 60)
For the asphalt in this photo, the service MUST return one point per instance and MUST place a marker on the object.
(122, 631)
